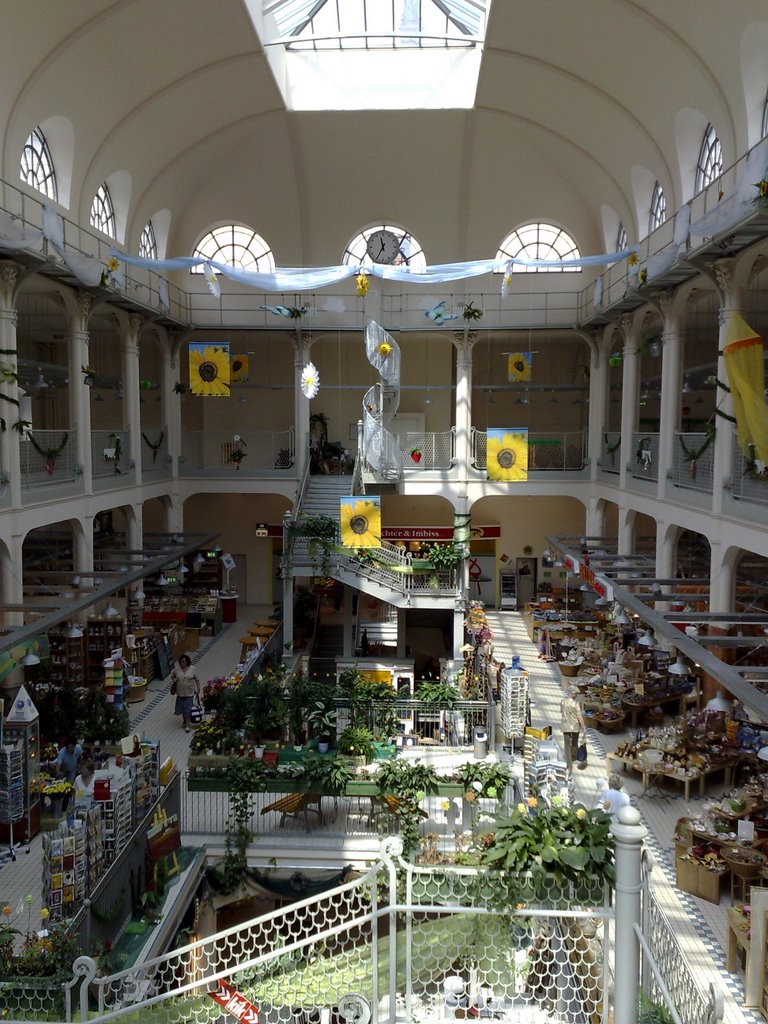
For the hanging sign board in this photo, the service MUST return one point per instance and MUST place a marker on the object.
(228, 562)
(235, 1003)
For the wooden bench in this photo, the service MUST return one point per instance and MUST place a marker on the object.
(388, 805)
(293, 804)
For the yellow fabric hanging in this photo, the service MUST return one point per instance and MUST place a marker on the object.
(743, 356)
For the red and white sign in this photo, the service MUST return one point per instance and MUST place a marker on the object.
(235, 1003)
(437, 532)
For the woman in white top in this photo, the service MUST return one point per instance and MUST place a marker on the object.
(572, 723)
(611, 800)
(84, 781)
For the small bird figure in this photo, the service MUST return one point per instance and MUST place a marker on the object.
(279, 311)
(440, 315)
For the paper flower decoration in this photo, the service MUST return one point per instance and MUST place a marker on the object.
(519, 367)
(762, 189)
(211, 280)
(310, 381)
(632, 259)
(384, 349)
(506, 281)
(113, 264)
(362, 285)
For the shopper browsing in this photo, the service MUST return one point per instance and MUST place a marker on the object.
(84, 781)
(187, 683)
(572, 723)
(611, 799)
(68, 759)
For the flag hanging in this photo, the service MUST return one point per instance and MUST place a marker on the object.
(360, 520)
(743, 356)
(519, 367)
(507, 454)
(209, 371)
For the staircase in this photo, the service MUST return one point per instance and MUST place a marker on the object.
(323, 494)
(329, 645)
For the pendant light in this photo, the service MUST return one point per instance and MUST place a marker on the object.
(110, 612)
(161, 580)
(648, 639)
(74, 632)
(678, 667)
(138, 594)
(29, 660)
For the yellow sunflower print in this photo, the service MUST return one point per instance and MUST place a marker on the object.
(360, 523)
(239, 368)
(209, 370)
(507, 455)
(519, 367)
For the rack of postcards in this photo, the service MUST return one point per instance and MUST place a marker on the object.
(93, 820)
(513, 701)
(11, 785)
(115, 681)
(113, 791)
(146, 779)
(545, 773)
(65, 868)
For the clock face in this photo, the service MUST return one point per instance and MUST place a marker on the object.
(383, 246)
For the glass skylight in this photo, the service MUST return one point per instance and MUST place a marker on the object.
(375, 24)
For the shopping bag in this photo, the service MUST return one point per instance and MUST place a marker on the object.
(196, 713)
(581, 755)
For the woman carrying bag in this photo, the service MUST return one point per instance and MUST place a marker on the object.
(185, 683)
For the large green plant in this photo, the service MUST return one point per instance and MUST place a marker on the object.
(444, 556)
(409, 782)
(539, 847)
(437, 691)
(325, 774)
(487, 780)
(267, 710)
(357, 741)
(245, 777)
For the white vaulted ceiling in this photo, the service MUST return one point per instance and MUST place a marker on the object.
(578, 106)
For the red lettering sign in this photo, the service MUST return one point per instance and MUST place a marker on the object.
(235, 1003)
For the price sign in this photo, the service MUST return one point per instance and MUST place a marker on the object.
(235, 1003)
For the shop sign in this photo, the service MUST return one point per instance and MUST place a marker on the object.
(235, 1003)
(602, 587)
(391, 533)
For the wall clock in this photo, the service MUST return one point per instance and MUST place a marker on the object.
(383, 246)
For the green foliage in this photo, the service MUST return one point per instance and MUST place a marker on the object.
(356, 740)
(322, 717)
(437, 691)
(47, 957)
(444, 556)
(325, 774)
(568, 844)
(409, 782)
(651, 1012)
(493, 778)
(302, 695)
(264, 698)
(246, 777)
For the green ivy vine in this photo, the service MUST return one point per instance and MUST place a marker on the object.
(409, 782)
(246, 777)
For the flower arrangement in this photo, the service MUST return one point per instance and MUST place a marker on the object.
(385, 349)
(361, 283)
(213, 693)
(60, 788)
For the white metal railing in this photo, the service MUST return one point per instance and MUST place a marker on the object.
(381, 449)
(749, 480)
(111, 455)
(547, 451)
(266, 451)
(644, 457)
(423, 451)
(144, 287)
(693, 474)
(610, 454)
(48, 457)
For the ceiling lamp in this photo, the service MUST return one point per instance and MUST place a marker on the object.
(648, 639)
(74, 632)
(678, 667)
(29, 659)
(41, 382)
(161, 580)
(98, 397)
(138, 594)
(182, 568)
(110, 612)
(621, 619)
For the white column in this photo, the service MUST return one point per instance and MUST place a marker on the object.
(731, 301)
(598, 398)
(79, 309)
(9, 389)
(464, 403)
(595, 518)
(722, 578)
(629, 394)
(671, 379)
(300, 403)
(170, 375)
(628, 833)
(626, 530)
(13, 579)
(129, 335)
(348, 623)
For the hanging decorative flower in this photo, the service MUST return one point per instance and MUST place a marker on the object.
(310, 381)
(384, 349)
(762, 189)
(519, 367)
(297, 312)
(209, 274)
(362, 285)
(632, 259)
(359, 521)
(180, 388)
(642, 277)
(89, 375)
(471, 312)
(49, 454)
(506, 281)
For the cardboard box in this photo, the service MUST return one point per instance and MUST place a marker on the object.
(686, 874)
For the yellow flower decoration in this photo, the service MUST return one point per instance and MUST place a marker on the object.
(209, 370)
(532, 801)
(362, 285)
(581, 814)
(7, 910)
(507, 456)
(361, 524)
(384, 349)
(113, 264)
(642, 276)
(445, 805)
(632, 259)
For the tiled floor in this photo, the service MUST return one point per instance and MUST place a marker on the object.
(700, 926)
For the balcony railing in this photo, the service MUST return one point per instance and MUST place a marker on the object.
(610, 456)
(421, 452)
(111, 462)
(644, 458)
(271, 452)
(693, 474)
(749, 480)
(559, 452)
(48, 457)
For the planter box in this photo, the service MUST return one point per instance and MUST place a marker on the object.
(361, 788)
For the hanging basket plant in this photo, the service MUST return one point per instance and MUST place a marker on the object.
(49, 454)
(238, 452)
(154, 445)
(89, 375)
(471, 312)
(691, 455)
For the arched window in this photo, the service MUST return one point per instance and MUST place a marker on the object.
(37, 165)
(658, 211)
(710, 165)
(765, 117)
(148, 242)
(237, 246)
(398, 245)
(621, 238)
(539, 242)
(103, 212)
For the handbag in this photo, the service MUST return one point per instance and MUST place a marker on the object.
(173, 687)
(581, 755)
(196, 713)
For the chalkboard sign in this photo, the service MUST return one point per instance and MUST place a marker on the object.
(163, 658)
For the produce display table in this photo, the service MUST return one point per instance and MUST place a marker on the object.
(651, 773)
(636, 707)
(738, 938)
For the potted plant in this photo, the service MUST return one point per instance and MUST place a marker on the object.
(266, 709)
(322, 718)
(356, 741)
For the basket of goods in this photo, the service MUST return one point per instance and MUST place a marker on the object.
(743, 862)
(609, 720)
(570, 668)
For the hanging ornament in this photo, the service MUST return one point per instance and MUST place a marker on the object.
(362, 284)
(211, 280)
(310, 381)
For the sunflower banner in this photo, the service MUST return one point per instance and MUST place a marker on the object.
(507, 454)
(519, 367)
(360, 521)
(209, 370)
(743, 357)
(239, 368)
